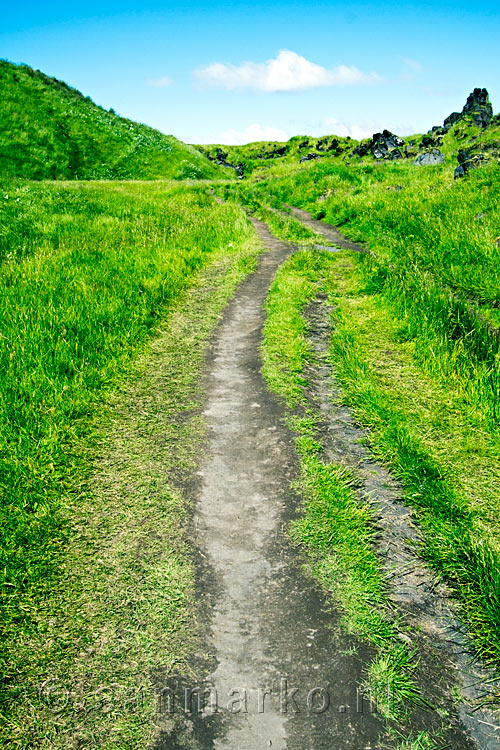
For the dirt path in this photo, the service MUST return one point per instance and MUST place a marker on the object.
(327, 230)
(272, 636)
(281, 673)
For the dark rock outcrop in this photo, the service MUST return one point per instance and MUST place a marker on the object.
(479, 108)
(467, 161)
(309, 157)
(477, 111)
(273, 153)
(384, 145)
(327, 144)
(431, 140)
(221, 159)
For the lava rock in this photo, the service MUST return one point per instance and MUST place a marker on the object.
(467, 161)
(384, 145)
(430, 157)
(438, 130)
(309, 157)
(394, 154)
(477, 111)
(451, 120)
(362, 149)
(431, 140)
(479, 108)
(273, 153)
(324, 144)
(221, 159)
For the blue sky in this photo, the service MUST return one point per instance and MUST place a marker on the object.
(237, 71)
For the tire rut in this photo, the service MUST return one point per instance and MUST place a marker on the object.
(283, 674)
(446, 659)
(278, 671)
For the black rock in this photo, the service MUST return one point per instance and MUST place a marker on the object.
(273, 153)
(467, 161)
(384, 145)
(431, 140)
(362, 149)
(438, 130)
(395, 154)
(477, 110)
(309, 157)
(221, 159)
(463, 156)
(324, 144)
(379, 152)
(451, 120)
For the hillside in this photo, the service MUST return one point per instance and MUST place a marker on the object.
(469, 137)
(49, 130)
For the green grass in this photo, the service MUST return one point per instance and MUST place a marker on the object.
(429, 403)
(261, 159)
(48, 130)
(428, 416)
(421, 741)
(77, 306)
(444, 452)
(335, 529)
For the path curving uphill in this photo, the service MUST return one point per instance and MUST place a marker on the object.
(284, 674)
(280, 672)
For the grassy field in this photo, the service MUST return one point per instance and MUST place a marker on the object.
(89, 273)
(110, 291)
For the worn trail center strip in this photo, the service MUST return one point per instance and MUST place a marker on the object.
(282, 673)
(272, 634)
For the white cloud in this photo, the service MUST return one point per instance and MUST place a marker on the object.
(251, 134)
(160, 83)
(287, 72)
(356, 130)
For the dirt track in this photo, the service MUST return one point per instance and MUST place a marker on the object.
(281, 672)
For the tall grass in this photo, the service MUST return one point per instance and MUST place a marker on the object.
(87, 270)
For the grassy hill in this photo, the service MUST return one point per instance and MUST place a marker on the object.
(472, 135)
(49, 130)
